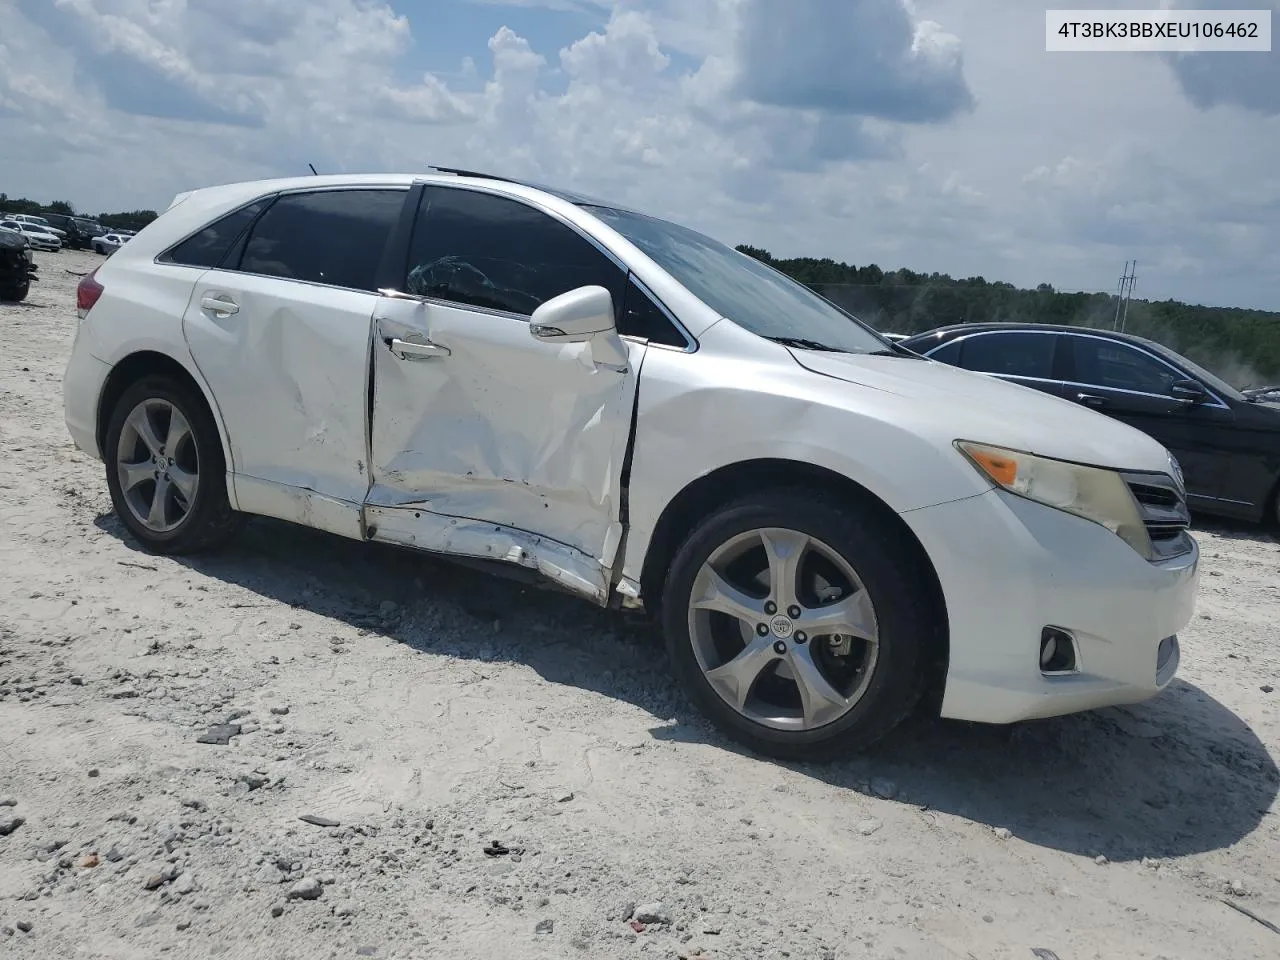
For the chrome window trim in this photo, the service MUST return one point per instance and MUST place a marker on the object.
(1217, 404)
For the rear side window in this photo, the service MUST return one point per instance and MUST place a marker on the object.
(208, 247)
(1012, 354)
(334, 237)
(481, 250)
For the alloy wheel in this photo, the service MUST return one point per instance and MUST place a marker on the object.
(783, 629)
(158, 465)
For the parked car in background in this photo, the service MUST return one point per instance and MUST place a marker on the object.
(108, 243)
(1227, 442)
(17, 269)
(825, 525)
(79, 231)
(1264, 394)
(39, 223)
(40, 237)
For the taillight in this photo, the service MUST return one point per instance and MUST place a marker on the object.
(88, 290)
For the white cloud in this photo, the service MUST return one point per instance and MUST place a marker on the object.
(938, 136)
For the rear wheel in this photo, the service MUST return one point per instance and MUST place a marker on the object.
(17, 293)
(165, 468)
(799, 624)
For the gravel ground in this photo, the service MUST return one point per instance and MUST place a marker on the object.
(425, 761)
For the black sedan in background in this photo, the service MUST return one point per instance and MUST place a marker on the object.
(1227, 443)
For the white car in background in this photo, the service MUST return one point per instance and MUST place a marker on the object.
(108, 243)
(39, 237)
(826, 526)
(40, 223)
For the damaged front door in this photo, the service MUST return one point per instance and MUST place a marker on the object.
(485, 441)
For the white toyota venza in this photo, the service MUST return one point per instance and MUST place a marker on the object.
(826, 526)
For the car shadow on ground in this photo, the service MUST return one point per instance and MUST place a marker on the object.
(1180, 774)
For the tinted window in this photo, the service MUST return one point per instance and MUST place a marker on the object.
(948, 353)
(734, 285)
(210, 245)
(334, 237)
(486, 251)
(1106, 363)
(1011, 354)
(641, 317)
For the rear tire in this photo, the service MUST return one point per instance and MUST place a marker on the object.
(165, 468)
(811, 657)
(16, 294)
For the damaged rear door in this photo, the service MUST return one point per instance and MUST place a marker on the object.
(280, 329)
(486, 442)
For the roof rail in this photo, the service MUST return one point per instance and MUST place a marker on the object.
(470, 173)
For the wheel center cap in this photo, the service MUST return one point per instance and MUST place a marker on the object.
(782, 626)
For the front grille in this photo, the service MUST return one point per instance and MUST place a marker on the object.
(1163, 506)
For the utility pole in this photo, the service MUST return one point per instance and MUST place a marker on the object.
(1123, 292)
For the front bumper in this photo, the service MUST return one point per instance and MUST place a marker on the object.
(1009, 568)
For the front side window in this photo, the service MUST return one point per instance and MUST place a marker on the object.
(481, 250)
(642, 317)
(1106, 363)
(734, 285)
(334, 237)
(208, 247)
(1013, 354)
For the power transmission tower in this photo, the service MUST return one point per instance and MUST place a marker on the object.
(1123, 292)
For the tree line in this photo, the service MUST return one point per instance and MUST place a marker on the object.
(129, 220)
(1241, 346)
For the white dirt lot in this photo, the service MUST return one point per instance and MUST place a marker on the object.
(430, 710)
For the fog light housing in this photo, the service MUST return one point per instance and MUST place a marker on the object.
(1057, 652)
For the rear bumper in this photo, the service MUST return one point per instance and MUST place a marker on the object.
(1009, 568)
(82, 385)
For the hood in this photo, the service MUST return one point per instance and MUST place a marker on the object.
(956, 404)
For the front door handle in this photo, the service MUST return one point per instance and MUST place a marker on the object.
(408, 350)
(1091, 399)
(220, 306)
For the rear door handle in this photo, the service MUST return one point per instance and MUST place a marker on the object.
(408, 350)
(1091, 399)
(220, 306)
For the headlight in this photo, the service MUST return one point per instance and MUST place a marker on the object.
(1089, 492)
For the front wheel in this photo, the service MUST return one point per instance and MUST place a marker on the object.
(165, 468)
(801, 625)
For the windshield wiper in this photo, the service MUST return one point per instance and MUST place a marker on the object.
(803, 344)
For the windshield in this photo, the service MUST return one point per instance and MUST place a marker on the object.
(1210, 380)
(748, 292)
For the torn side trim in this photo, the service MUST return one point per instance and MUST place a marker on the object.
(458, 536)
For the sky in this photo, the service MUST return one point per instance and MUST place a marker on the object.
(937, 135)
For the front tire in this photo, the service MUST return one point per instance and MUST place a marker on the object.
(800, 624)
(165, 468)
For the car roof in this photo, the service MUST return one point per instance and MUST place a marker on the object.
(954, 330)
(430, 175)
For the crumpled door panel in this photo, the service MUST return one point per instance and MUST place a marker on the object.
(504, 429)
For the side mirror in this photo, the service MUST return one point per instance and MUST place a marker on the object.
(1192, 391)
(574, 317)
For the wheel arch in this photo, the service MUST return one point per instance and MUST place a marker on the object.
(145, 363)
(702, 496)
